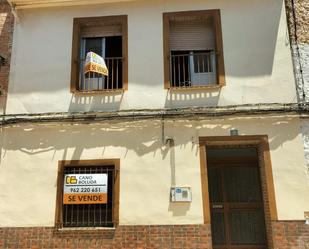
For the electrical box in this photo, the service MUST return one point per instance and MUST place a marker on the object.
(181, 194)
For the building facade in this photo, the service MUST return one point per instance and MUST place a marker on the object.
(195, 139)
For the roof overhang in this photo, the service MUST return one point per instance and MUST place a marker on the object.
(27, 4)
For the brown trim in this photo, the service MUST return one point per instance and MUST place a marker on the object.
(75, 55)
(204, 182)
(84, 22)
(219, 44)
(261, 142)
(269, 178)
(125, 52)
(166, 49)
(219, 49)
(86, 163)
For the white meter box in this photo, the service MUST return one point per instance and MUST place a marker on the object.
(181, 194)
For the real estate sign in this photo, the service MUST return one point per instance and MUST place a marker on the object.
(95, 63)
(85, 189)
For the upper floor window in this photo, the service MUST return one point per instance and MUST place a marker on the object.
(193, 49)
(107, 37)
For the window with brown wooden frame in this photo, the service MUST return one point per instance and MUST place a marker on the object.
(193, 50)
(88, 194)
(107, 37)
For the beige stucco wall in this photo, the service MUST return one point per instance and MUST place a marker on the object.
(256, 54)
(30, 154)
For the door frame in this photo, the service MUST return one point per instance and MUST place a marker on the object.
(264, 161)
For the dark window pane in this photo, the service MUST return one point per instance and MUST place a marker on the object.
(113, 46)
(231, 152)
(247, 227)
(93, 45)
(215, 189)
(113, 54)
(242, 184)
(218, 228)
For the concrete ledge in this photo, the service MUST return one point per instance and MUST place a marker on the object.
(134, 115)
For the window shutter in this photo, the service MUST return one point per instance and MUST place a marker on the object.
(191, 35)
(101, 31)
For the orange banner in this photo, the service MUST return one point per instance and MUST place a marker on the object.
(100, 198)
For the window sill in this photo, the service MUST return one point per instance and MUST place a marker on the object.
(99, 92)
(188, 88)
(85, 229)
(107, 232)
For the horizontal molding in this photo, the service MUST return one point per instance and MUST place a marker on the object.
(145, 114)
(27, 4)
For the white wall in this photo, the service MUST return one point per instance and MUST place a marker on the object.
(256, 54)
(29, 160)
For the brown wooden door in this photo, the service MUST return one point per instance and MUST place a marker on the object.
(237, 214)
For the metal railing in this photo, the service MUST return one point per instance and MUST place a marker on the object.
(193, 69)
(91, 81)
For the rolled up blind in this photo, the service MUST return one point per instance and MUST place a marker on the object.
(191, 35)
(101, 31)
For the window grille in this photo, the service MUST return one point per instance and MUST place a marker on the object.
(190, 68)
(91, 215)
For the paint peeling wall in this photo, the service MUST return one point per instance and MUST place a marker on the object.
(30, 155)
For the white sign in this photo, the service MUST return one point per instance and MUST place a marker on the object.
(85, 189)
(95, 63)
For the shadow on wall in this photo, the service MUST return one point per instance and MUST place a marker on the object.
(177, 209)
(190, 98)
(93, 102)
(141, 137)
(249, 53)
(74, 142)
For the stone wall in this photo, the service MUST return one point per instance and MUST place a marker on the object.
(298, 20)
(6, 38)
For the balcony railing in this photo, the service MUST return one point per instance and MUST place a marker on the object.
(91, 82)
(193, 69)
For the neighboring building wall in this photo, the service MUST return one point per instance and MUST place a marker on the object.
(298, 19)
(6, 37)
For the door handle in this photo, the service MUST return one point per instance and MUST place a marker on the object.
(217, 206)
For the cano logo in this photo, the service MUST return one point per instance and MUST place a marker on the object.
(70, 180)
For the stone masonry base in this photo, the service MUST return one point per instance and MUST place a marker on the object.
(285, 235)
